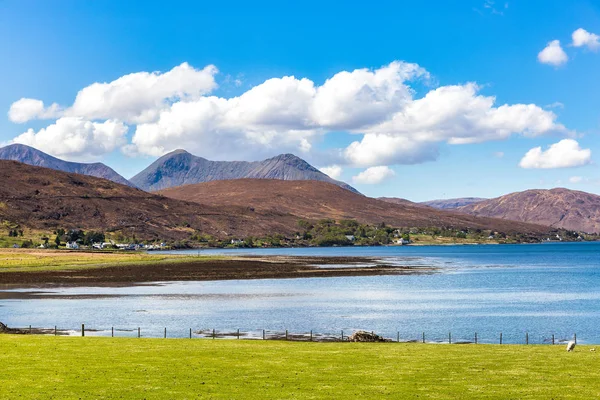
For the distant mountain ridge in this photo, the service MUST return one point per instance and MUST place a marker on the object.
(451, 204)
(442, 204)
(30, 156)
(180, 168)
(559, 208)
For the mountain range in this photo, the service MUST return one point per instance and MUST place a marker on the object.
(180, 168)
(45, 199)
(29, 155)
(558, 208)
(451, 204)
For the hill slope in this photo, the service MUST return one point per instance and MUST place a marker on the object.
(46, 199)
(316, 200)
(182, 168)
(31, 156)
(560, 208)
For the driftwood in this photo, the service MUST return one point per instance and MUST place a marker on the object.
(363, 336)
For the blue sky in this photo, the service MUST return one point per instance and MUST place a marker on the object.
(50, 51)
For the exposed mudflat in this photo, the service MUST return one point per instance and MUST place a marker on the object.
(249, 267)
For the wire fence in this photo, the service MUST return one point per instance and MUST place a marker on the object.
(303, 336)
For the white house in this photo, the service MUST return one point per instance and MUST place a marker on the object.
(72, 245)
(350, 238)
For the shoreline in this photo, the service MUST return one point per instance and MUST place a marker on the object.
(234, 268)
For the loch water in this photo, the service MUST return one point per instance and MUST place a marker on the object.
(533, 291)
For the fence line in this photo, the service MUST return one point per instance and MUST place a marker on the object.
(287, 335)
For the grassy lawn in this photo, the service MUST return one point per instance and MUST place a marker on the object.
(47, 367)
(16, 260)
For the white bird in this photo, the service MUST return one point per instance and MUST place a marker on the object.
(571, 345)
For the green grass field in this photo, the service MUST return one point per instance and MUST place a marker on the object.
(31, 260)
(47, 367)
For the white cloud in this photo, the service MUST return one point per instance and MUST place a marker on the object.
(76, 138)
(556, 104)
(353, 100)
(333, 171)
(374, 175)
(174, 110)
(576, 179)
(499, 154)
(135, 98)
(582, 38)
(24, 110)
(375, 149)
(563, 154)
(459, 114)
(553, 54)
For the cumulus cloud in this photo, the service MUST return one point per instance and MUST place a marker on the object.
(134, 98)
(24, 110)
(563, 154)
(353, 100)
(333, 171)
(583, 38)
(175, 109)
(376, 149)
(374, 175)
(453, 114)
(553, 54)
(76, 138)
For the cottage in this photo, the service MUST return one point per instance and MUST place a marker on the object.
(350, 238)
(72, 245)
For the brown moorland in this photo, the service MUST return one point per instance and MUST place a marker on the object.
(46, 199)
(559, 208)
(316, 200)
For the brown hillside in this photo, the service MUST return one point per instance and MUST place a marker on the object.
(46, 199)
(316, 200)
(560, 208)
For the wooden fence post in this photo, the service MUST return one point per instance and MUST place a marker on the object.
(82, 330)
(55, 330)
(342, 335)
(286, 334)
(190, 333)
(575, 336)
(165, 333)
(475, 337)
(423, 337)
(139, 332)
(500, 337)
(263, 334)
(238, 335)
(112, 331)
(30, 329)
(398, 337)
(526, 337)
(213, 333)
(449, 337)
(553, 338)
(311, 335)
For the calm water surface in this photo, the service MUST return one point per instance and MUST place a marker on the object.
(540, 289)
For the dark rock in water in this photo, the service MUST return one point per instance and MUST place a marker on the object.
(6, 329)
(30, 156)
(363, 336)
(180, 168)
